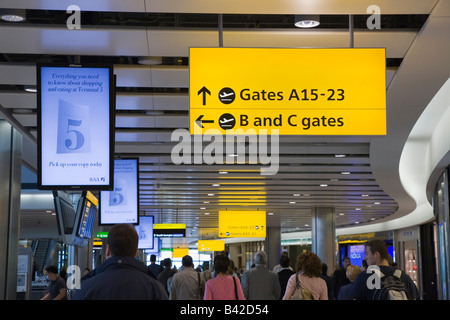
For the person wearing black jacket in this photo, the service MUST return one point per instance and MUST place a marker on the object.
(120, 276)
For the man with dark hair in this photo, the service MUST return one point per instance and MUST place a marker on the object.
(121, 276)
(154, 269)
(284, 274)
(367, 284)
(187, 284)
(57, 287)
(339, 276)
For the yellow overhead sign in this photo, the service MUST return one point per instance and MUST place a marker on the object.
(169, 226)
(211, 245)
(297, 91)
(246, 224)
(180, 252)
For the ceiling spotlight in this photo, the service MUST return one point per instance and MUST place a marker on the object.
(306, 21)
(210, 194)
(13, 15)
(324, 185)
(148, 61)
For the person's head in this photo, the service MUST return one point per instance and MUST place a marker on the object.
(261, 258)
(122, 241)
(352, 271)
(324, 268)
(167, 263)
(153, 258)
(52, 272)
(221, 263)
(377, 253)
(309, 263)
(346, 262)
(186, 261)
(284, 261)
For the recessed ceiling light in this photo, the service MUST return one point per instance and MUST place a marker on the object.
(233, 155)
(377, 202)
(205, 201)
(339, 155)
(364, 195)
(345, 172)
(324, 185)
(356, 222)
(216, 185)
(307, 21)
(210, 194)
(223, 172)
(206, 213)
(341, 214)
(270, 213)
(202, 208)
(13, 15)
(296, 194)
(358, 209)
(292, 202)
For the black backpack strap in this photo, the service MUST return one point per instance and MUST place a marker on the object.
(235, 289)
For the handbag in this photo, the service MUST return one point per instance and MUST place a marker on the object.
(301, 293)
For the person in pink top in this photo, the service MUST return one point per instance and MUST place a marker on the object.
(309, 267)
(223, 286)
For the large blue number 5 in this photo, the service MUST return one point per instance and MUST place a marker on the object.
(79, 137)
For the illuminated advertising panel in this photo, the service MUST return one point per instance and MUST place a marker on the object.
(76, 122)
(122, 204)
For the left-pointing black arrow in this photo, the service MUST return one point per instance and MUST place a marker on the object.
(200, 122)
(205, 91)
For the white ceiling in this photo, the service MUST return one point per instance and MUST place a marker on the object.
(146, 118)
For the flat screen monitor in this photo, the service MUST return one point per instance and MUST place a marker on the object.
(65, 212)
(88, 209)
(145, 232)
(169, 230)
(122, 204)
(75, 126)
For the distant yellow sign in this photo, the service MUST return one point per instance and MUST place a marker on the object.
(246, 224)
(297, 91)
(211, 245)
(180, 252)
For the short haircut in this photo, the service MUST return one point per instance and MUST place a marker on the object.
(380, 247)
(221, 263)
(52, 269)
(352, 271)
(309, 263)
(153, 257)
(284, 261)
(261, 257)
(186, 261)
(123, 240)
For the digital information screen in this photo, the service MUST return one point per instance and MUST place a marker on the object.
(145, 232)
(122, 204)
(76, 123)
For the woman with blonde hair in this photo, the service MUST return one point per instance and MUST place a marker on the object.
(351, 273)
(309, 269)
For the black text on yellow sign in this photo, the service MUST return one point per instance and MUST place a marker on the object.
(246, 224)
(298, 91)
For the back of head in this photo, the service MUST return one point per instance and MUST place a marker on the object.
(309, 263)
(380, 247)
(167, 263)
(221, 263)
(352, 271)
(153, 258)
(261, 258)
(186, 261)
(122, 240)
(284, 261)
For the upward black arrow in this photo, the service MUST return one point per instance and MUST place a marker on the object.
(205, 91)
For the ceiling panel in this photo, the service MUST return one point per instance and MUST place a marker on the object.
(152, 101)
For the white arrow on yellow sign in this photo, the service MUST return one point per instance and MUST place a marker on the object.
(297, 91)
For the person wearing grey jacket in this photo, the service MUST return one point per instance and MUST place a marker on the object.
(259, 283)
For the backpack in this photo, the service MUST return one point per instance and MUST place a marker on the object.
(392, 288)
(301, 293)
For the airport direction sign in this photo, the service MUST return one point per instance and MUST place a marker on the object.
(296, 91)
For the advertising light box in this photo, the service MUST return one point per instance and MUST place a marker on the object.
(246, 224)
(122, 204)
(76, 123)
(145, 232)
